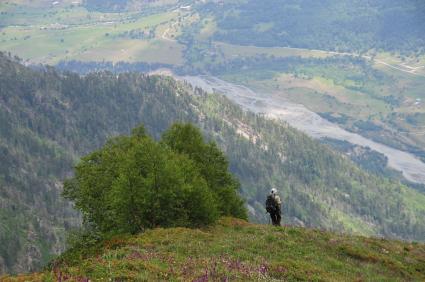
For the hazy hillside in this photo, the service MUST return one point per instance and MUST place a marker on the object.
(111, 5)
(330, 25)
(49, 119)
(235, 250)
(120, 5)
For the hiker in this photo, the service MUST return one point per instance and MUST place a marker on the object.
(273, 206)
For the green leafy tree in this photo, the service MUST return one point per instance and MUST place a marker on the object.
(212, 163)
(134, 182)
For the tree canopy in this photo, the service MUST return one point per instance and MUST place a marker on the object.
(134, 182)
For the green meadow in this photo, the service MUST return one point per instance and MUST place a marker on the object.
(234, 250)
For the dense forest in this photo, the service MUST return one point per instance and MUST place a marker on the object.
(106, 6)
(117, 5)
(49, 119)
(352, 26)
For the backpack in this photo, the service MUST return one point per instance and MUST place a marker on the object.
(271, 204)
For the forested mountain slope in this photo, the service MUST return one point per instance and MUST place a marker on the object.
(352, 26)
(49, 119)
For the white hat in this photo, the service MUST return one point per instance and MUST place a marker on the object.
(273, 191)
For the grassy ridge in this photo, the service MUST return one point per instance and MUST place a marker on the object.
(235, 250)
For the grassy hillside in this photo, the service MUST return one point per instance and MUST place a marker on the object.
(235, 250)
(50, 119)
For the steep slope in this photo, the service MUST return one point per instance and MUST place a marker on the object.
(49, 119)
(238, 251)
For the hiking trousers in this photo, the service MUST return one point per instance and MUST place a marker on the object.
(276, 218)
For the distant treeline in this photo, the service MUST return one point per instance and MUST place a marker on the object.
(337, 25)
(86, 67)
(106, 5)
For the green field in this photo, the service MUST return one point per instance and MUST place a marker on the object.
(73, 33)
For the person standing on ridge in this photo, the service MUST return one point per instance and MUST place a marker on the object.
(273, 206)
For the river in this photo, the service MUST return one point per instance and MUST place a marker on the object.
(307, 121)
